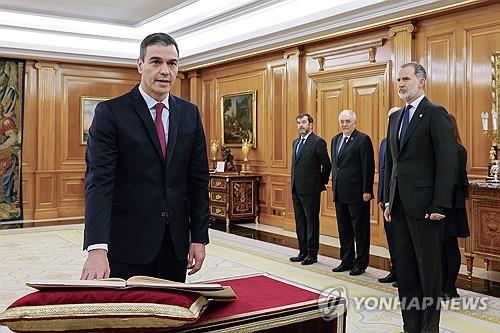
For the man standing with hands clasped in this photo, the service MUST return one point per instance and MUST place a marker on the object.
(420, 172)
(310, 172)
(353, 168)
(146, 184)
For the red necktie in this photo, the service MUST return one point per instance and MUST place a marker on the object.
(159, 128)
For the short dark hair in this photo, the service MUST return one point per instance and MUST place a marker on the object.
(419, 70)
(302, 115)
(157, 38)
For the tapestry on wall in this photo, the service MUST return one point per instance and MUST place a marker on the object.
(11, 112)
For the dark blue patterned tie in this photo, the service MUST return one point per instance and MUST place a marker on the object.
(299, 148)
(404, 123)
(342, 144)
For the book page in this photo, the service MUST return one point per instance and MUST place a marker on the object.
(104, 283)
(151, 282)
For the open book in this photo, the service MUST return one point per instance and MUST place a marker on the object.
(209, 290)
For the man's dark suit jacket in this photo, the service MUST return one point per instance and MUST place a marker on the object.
(311, 170)
(353, 169)
(381, 170)
(424, 184)
(132, 193)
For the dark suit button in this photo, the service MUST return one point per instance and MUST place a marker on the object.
(163, 214)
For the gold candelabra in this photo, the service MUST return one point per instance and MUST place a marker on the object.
(493, 133)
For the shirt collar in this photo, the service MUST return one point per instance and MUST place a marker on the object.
(305, 137)
(150, 101)
(416, 102)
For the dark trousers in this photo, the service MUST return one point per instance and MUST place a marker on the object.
(390, 243)
(306, 209)
(450, 263)
(353, 222)
(418, 244)
(165, 265)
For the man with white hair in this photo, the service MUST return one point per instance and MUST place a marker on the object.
(353, 168)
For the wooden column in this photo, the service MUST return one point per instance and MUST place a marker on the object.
(194, 87)
(403, 51)
(45, 173)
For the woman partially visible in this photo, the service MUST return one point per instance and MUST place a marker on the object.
(456, 224)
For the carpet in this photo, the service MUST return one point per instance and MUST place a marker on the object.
(55, 252)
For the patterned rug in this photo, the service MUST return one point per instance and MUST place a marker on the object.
(55, 253)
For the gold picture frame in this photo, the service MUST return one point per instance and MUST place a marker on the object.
(87, 109)
(239, 118)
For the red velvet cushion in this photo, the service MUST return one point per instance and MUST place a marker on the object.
(84, 309)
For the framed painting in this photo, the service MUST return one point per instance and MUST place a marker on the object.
(239, 118)
(87, 108)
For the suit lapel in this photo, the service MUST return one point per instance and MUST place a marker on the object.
(295, 143)
(173, 126)
(141, 109)
(415, 120)
(348, 144)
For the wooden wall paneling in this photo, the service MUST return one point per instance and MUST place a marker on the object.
(364, 90)
(277, 105)
(30, 138)
(480, 43)
(71, 151)
(232, 83)
(46, 191)
(403, 50)
(208, 110)
(367, 100)
(440, 62)
(331, 100)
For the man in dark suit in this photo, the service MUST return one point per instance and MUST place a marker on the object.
(421, 167)
(310, 171)
(392, 276)
(146, 183)
(353, 168)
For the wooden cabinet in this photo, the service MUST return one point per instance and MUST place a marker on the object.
(484, 224)
(234, 197)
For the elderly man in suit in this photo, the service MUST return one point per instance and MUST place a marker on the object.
(146, 184)
(392, 276)
(353, 168)
(420, 172)
(310, 172)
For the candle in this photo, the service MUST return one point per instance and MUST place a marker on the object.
(484, 119)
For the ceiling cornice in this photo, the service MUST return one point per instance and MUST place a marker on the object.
(121, 49)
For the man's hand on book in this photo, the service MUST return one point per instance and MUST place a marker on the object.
(96, 266)
(196, 257)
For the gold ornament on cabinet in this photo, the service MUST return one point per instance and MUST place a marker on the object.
(246, 145)
(214, 148)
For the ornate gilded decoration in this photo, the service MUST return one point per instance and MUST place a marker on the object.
(242, 197)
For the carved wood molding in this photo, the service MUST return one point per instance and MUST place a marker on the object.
(193, 74)
(47, 65)
(295, 52)
(368, 45)
(351, 72)
(407, 28)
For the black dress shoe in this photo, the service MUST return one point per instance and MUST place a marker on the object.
(447, 295)
(356, 271)
(309, 260)
(342, 267)
(298, 258)
(395, 284)
(388, 279)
